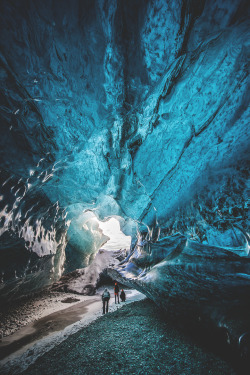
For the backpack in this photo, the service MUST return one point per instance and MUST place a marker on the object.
(106, 294)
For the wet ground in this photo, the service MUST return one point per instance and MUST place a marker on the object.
(43, 327)
(37, 324)
(136, 339)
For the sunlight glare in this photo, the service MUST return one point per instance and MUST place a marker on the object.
(118, 240)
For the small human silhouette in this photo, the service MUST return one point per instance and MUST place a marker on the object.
(105, 300)
(116, 289)
(123, 296)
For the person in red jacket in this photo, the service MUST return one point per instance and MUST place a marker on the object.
(116, 289)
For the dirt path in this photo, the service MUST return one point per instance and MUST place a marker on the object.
(136, 339)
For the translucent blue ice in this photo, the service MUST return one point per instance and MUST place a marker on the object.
(134, 109)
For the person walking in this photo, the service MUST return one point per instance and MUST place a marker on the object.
(116, 289)
(105, 300)
(123, 296)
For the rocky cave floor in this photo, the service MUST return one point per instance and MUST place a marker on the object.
(139, 338)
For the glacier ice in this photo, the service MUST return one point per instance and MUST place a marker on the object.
(192, 280)
(132, 109)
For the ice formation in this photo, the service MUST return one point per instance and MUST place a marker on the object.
(133, 109)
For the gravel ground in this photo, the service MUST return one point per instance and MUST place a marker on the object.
(136, 339)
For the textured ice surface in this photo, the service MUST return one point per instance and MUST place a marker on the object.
(137, 109)
(194, 280)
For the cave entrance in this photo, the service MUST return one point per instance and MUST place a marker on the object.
(117, 239)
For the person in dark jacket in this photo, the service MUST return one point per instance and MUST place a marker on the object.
(123, 296)
(105, 300)
(116, 289)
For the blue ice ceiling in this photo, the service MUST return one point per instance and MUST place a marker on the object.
(137, 109)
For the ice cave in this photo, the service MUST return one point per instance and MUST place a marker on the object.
(125, 158)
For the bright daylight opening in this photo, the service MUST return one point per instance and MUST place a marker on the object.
(118, 240)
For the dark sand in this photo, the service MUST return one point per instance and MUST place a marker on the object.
(136, 339)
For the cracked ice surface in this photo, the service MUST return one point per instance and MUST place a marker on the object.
(136, 110)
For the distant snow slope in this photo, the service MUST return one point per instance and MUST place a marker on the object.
(84, 281)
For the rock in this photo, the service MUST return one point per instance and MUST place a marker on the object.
(70, 300)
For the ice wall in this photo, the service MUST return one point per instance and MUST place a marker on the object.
(197, 284)
(136, 108)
